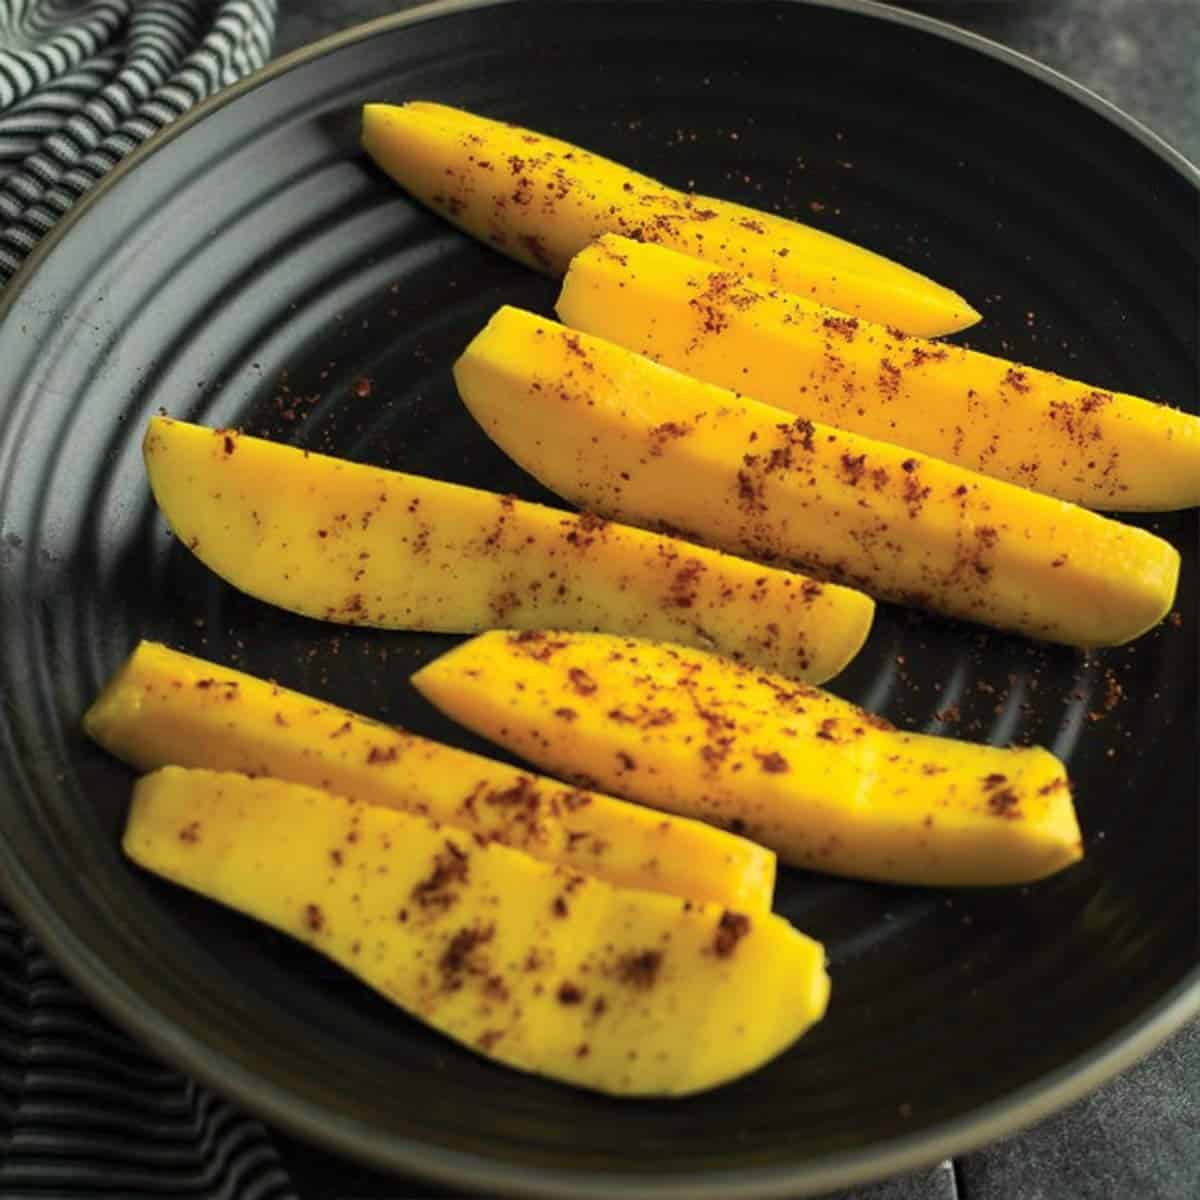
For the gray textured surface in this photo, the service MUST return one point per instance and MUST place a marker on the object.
(1138, 1138)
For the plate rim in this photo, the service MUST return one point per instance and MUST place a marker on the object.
(184, 1049)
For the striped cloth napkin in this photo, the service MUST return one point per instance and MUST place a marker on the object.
(83, 82)
(83, 1111)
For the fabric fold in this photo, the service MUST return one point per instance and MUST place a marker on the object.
(83, 86)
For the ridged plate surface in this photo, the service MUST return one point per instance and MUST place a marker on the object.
(254, 269)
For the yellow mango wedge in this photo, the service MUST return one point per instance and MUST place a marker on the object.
(823, 783)
(623, 991)
(1068, 439)
(363, 546)
(636, 441)
(541, 200)
(167, 708)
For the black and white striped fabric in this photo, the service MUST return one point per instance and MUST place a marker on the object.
(83, 1112)
(83, 82)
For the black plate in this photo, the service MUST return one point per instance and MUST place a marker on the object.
(250, 267)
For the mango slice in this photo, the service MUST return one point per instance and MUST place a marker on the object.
(630, 439)
(823, 783)
(360, 545)
(168, 708)
(623, 991)
(1068, 439)
(541, 200)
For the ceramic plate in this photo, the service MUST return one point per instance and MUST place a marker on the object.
(251, 268)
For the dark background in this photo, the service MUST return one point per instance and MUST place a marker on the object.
(1138, 1137)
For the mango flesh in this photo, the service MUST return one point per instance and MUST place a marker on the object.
(167, 708)
(823, 783)
(360, 545)
(541, 200)
(1098, 448)
(623, 991)
(636, 441)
